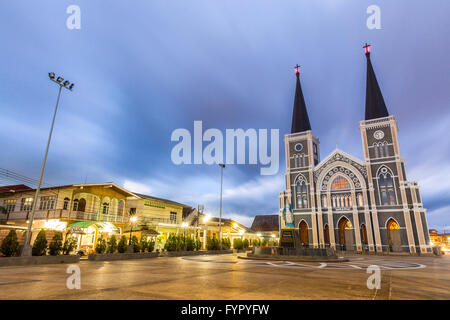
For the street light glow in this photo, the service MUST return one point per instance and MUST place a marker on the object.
(259, 234)
(133, 219)
(184, 224)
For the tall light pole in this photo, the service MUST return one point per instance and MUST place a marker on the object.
(26, 251)
(220, 215)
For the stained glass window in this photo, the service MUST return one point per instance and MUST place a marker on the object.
(340, 183)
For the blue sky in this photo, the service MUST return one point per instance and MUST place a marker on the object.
(145, 68)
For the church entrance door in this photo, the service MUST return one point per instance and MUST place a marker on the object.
(394, 240)
(345, 234)
(303, 228)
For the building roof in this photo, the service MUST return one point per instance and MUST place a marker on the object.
(267, 222)
(300, 119)
(14, 188)
(144, 196)
(375, 106)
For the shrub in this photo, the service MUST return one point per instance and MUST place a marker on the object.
(135, 244)
(69, 245)
(40, 244)
(143, 244)
(212, 244)
(172, 244)
(245, 244)
(190, 244)
(10, 245)
(238, 244)
(256, 243)
(112, 244)
(101, 245)
(226, 244)
(122, 245)
(56, 245)
(263, 243)
(151, 245)
(197, 245)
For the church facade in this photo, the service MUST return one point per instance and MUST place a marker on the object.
(346, 203)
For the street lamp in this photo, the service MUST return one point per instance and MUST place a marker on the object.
(26, 251)
(222, 166)
(132, 220)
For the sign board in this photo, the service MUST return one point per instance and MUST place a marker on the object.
(287, 238)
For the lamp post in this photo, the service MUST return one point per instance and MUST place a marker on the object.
(222, 166)
(26, 251)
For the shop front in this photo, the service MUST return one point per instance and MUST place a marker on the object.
(86, 234)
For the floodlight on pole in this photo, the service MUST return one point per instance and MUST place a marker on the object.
(222, 166)
(26, 251)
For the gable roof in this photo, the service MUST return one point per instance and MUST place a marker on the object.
(342, 153)
(267, 222)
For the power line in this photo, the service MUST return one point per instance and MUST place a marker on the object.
(8, 177)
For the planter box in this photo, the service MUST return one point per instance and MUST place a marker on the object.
(144, 255)
(121, 256)
(24, 261)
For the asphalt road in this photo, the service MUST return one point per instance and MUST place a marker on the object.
(227, 277)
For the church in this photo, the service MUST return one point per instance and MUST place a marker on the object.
(346, 203)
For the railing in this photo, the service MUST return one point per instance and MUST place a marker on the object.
(64, 214)
(152, 220)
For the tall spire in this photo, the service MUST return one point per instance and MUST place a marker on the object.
(375, 106)
(300, 119)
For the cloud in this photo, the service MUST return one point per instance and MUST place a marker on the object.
(137, 187)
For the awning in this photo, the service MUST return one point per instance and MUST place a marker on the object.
(101, 226)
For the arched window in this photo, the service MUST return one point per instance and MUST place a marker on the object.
(324, 201)
(105, 208)
(381, 150)
(375, 147)
(301, 193)
(360, 200)
(66, 203)
(386, 150)
(75, 205)
(386, 188)
(340, 183)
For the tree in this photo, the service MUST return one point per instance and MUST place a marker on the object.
(101, 245)
(56, 245)
(198, 245)
(151, 245)
(143, 243)
(245, 244)
(238, 244)
(69, 245)
(40, 244)
(112, 244)
(10, 245)
(135, 244)
(122, 245)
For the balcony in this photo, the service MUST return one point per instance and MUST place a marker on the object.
(155, 221)
(64, 214)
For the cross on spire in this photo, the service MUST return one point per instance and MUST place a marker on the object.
(296, 69)
(367, 48)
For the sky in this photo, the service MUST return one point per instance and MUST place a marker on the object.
(143, 68)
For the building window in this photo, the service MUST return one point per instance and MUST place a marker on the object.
(340, 183)
(9, 205)
(301, 193)
(26, 204)
(386, 189)
(386, 150)
(105, 208)
(324, 201)
(360, 200)
(75, 205)
(341, 201)
(47, 203)
(173, 217)
(66, 203)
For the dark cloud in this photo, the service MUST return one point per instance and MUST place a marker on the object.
(145, 68)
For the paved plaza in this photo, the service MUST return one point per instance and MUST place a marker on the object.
(228, 277)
